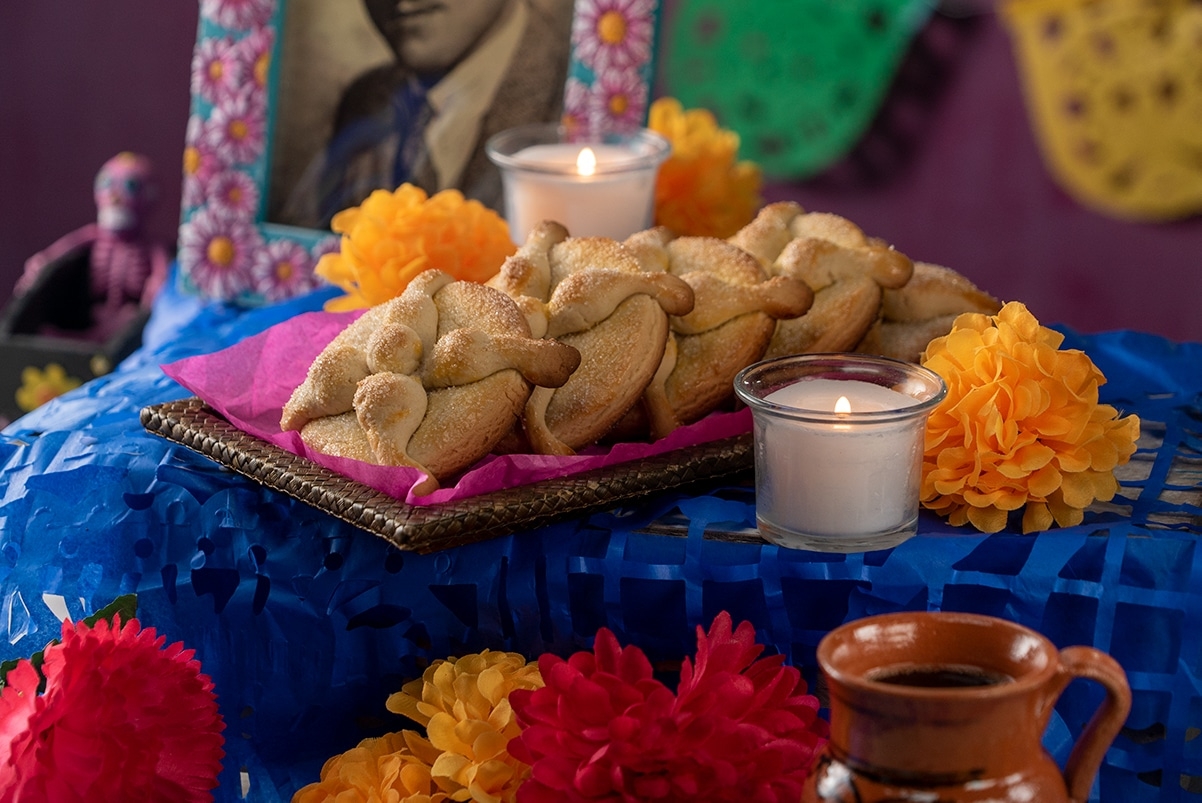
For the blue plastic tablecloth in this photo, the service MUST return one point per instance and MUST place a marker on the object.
(306, 623)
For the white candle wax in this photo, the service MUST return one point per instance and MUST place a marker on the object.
(839, 477)
(615, 201)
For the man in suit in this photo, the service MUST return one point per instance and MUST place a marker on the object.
(464, 70)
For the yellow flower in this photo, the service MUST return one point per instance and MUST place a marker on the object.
(393, 236)
(464, 705)
(39, 387)
(702, 189)
(391, 769)
(1020, 427)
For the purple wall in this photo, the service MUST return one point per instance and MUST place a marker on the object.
(78, 85)
(80, 82)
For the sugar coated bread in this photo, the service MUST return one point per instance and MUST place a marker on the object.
(735, 310)
(924, 309)
(590, 293)
(580, 339)
(847, 271)
(432, 379)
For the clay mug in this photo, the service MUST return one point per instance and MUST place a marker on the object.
(951, 708)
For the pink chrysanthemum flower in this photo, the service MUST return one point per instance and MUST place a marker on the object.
(254, 53)
(237, 15)
(123, 717)
(217, 252)
(237, 129)
(613, 34)
(603, 728)
(18, 707)
(618, 101)
(235, 192)
(282, 269)
(217, 72)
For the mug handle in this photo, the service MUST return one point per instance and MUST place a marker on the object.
(1087, 754)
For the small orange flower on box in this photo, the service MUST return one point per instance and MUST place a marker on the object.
(393, 236)
(702, 189)
(1020, 428)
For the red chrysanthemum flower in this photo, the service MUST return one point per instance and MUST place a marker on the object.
(604, 729)
(122, 718)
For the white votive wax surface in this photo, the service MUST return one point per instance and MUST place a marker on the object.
(821, 395)
(614, 201)
(841, 477)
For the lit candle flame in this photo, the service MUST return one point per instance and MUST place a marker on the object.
(842, 406)
(586, 162)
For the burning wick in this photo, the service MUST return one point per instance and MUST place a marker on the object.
(586, 162)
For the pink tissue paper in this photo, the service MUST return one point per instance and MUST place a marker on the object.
(249, 383)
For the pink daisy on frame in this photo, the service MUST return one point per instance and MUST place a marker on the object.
(576, 106)
(217, 72)
(200, 163)
(613, 34)
(237, 127)
(217, 252)
(282, 269)
(618, 101)
(237, 15)
(233, 191)
(326, 245)
(254, 53)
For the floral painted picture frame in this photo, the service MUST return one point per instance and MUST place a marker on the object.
(231, 249)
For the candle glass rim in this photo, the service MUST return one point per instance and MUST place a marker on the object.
(500, 149)
(753, 393)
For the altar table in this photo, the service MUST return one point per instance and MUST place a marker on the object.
(307, 623)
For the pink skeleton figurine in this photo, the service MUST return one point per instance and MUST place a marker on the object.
(126, 269)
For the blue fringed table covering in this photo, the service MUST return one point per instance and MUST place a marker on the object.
(306, 623)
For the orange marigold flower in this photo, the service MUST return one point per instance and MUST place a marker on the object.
(464, 705)
(393, 236)
(1020, 428)
(394, 767)
(702, 189)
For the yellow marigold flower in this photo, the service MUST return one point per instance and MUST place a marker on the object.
(393, 236)
(702, 189)
(464, 705)
(391, 769)
(39, 387)
(1020, 427)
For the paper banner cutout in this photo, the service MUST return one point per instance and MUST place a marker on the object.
(799, 80)
(1114, 91)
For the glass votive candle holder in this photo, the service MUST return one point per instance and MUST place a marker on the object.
(838, 448)
(601, 186)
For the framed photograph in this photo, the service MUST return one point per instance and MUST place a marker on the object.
(301, 108)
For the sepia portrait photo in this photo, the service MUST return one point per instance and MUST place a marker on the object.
(376, 93)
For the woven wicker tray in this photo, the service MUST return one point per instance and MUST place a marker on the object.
(192, 423)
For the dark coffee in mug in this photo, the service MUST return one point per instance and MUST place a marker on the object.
(939, 676)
